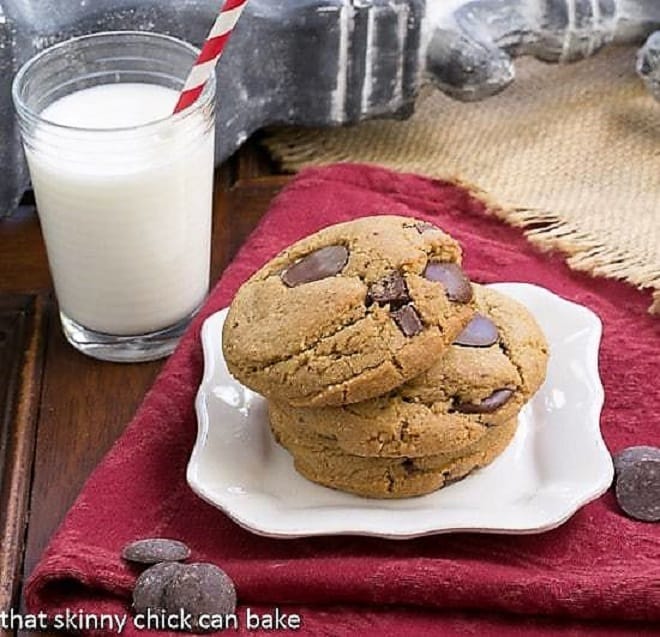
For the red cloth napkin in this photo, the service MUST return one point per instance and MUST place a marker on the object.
(599, 566)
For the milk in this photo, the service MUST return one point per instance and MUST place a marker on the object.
(126, 215)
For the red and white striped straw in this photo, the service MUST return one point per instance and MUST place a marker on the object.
(210, 53)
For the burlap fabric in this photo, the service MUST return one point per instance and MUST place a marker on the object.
(570, 153)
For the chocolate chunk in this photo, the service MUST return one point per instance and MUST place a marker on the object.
(200, 589)
(488, 405)
(317, 265)
(638, 489)
(408, 320)
(154, 550)
(408, 465)
(479, 332)
(631, 455)
(392, 289)
(456, 284)
(149, 590)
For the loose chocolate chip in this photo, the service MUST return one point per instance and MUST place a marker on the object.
(392, 289)
(456, 284)
(317, 265)
(149, 590)
(479, 332)
(200, 589)
(488, 405)
(154, 550)
(408, 320)
(638, 489)
(630, 455)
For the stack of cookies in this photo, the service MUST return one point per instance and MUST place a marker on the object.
(387, 372)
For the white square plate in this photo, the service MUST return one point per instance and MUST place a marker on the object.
(556, 463)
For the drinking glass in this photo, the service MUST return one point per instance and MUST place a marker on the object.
(125, 210)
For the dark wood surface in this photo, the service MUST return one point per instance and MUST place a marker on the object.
(22, 341)
(61, 411)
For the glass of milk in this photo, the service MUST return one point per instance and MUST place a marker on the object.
(123, 188)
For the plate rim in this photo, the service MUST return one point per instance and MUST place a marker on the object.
(572, 504)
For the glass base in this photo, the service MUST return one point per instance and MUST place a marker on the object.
(124, 349)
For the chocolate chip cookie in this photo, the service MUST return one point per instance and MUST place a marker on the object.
(494, 366)
(348, 313)
(404, 477)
